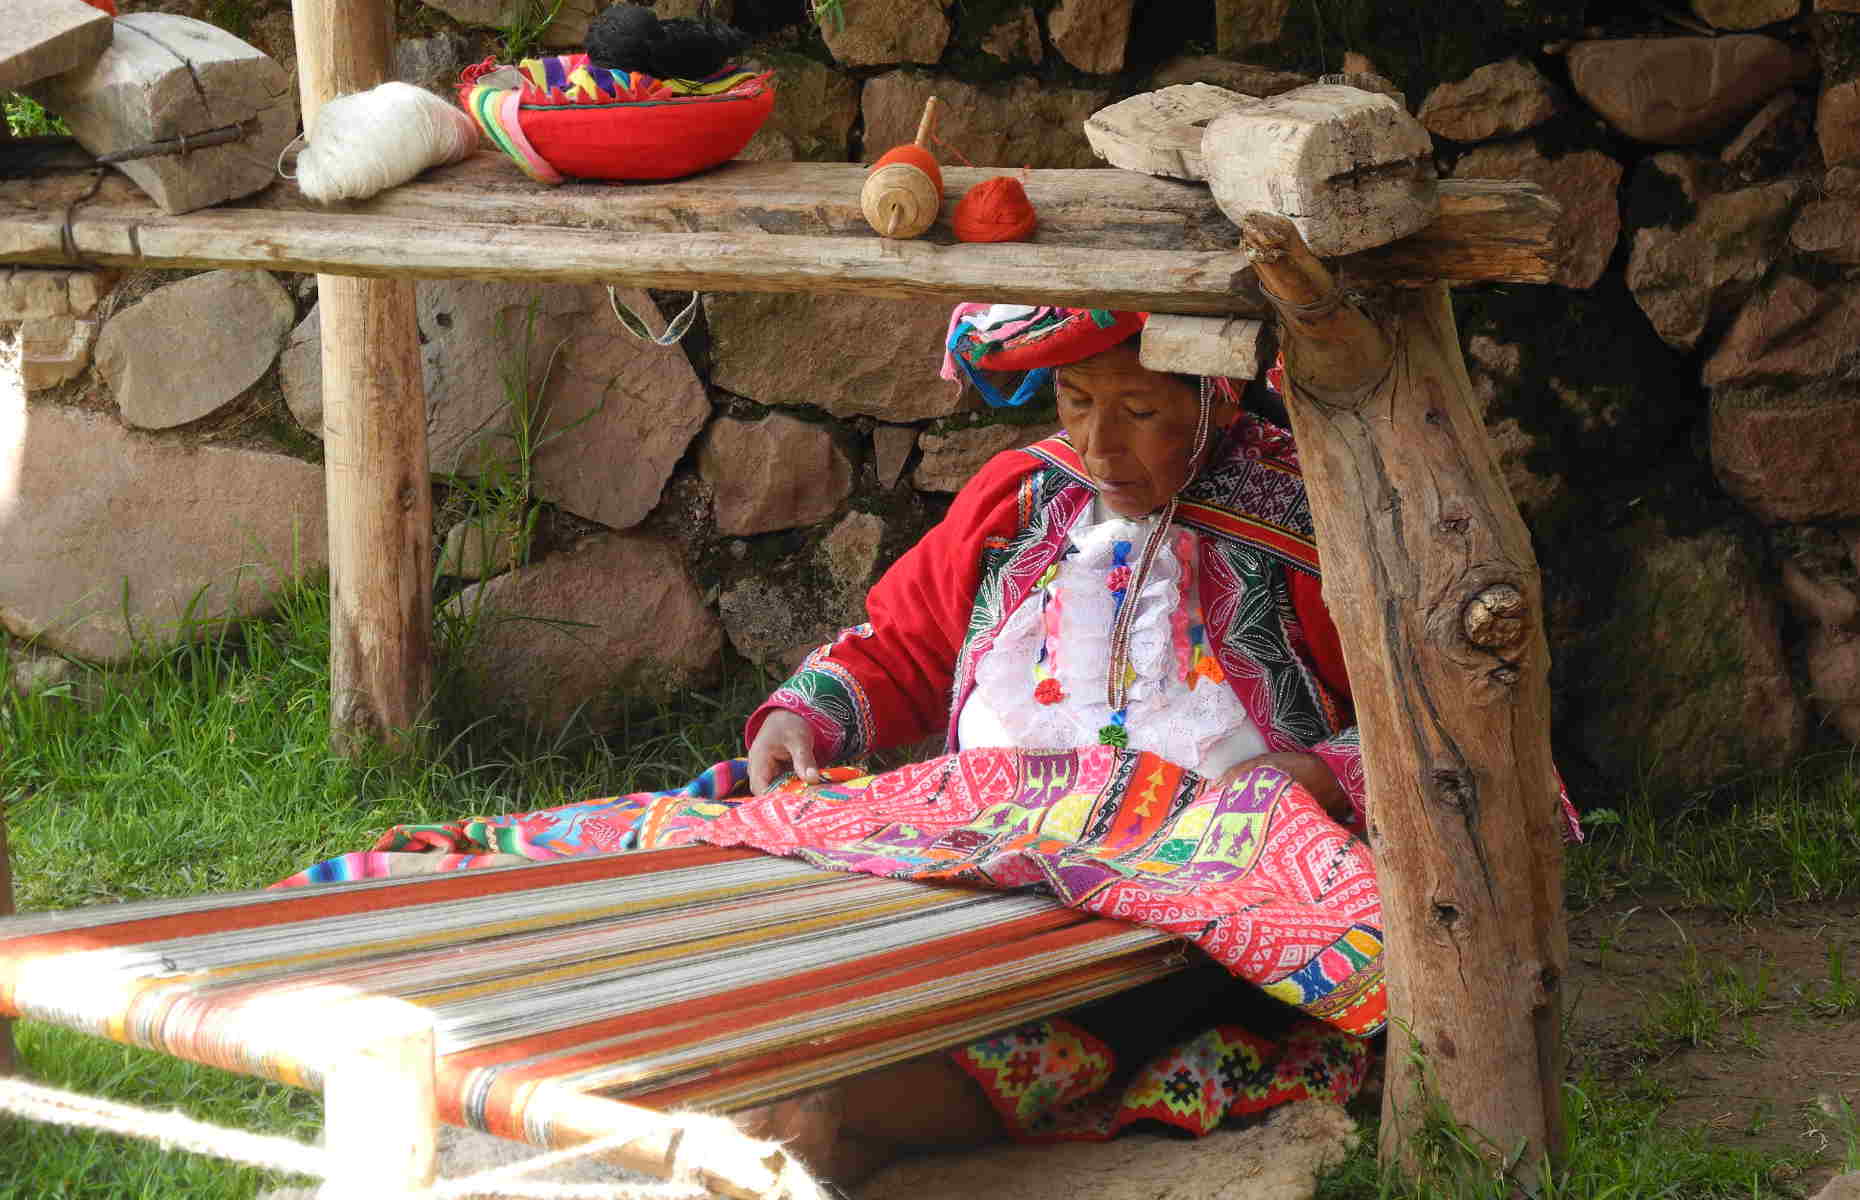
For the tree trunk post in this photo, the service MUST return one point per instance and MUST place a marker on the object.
(7, 1064)
(1429, 571)
(374, 434)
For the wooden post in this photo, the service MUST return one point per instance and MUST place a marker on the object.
(1429, 571)
(374, 434)
(380, 1110)
(7, 1063)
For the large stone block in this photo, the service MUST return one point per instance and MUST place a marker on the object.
(566, 31)
(1241, 77)
(1829, 229)
(1584, 183)
(28, 293)
(189, 348)
(157, 530)
(1023, 123)
(1239, 24)
(1837, 123)
(612, 621)
(1497, 100)
(815, 107)
(876, 33)
(1015, 38)
(1791, 330)
(1745, 14)
(776, 473)
(1788, 455)
(165, 76)
(41, 38)
(850, 355)
(1676, 91)
(1091, 34)
(614, 401)
(1686, 680)
(594, 395)
(54, 350)
(300, 373)
(1684, 277)
(951, 459)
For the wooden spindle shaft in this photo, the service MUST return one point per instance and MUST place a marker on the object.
(926, 125)
(374, 434)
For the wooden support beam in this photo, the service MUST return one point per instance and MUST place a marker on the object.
(374, 433)
(790, 227)
(1429, 572)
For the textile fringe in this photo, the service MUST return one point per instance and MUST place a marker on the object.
(176, 1131)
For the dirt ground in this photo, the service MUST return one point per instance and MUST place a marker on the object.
(1750, 1028)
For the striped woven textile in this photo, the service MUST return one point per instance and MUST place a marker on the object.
(693, 976)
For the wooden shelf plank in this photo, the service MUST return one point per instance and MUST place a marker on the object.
(1107, 237)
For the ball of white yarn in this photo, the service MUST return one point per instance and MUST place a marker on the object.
(370, 141)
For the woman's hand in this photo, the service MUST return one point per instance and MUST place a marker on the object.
(1307, 769)
(784, 743)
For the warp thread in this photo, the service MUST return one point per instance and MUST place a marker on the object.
(367, 142)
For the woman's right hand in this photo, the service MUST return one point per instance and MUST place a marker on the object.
(784, 743)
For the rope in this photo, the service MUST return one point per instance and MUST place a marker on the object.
(176, 1131)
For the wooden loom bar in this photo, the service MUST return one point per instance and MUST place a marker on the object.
(772, 236)
(374, 433)
(1429, 572)
(380, 1110)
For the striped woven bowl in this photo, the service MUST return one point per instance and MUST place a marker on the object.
(561, 118)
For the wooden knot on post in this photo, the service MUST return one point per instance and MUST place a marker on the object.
(1494, 619)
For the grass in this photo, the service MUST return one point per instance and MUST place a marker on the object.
(1618, 1150)
(25, 117)
(1787, 838)
(208, 768)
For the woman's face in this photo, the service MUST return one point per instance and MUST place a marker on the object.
(1133, 427)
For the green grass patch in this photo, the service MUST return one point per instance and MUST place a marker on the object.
(208, 768)
(1618, 1150)
(1788, 838)
(26, 117)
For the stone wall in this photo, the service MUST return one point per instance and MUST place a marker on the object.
(1675, 416)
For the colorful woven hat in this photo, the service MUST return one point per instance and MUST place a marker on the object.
(562, 117)
(1021, 337)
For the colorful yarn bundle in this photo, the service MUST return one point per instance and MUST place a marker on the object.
(370, 141)
(995, 210)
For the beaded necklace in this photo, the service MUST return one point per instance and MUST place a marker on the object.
(1124, 584)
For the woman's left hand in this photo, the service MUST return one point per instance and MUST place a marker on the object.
(1308, 770)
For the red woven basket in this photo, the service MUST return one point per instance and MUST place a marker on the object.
(585, 122)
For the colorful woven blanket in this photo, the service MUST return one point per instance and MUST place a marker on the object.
(1255, 874)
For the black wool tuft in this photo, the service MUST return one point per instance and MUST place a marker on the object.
(629, 37)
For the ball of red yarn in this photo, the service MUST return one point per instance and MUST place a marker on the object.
(994, 210)
(911, 154)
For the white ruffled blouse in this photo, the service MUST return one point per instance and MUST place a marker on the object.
(1042, 685)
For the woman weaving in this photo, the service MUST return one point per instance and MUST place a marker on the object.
(1144, 591)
